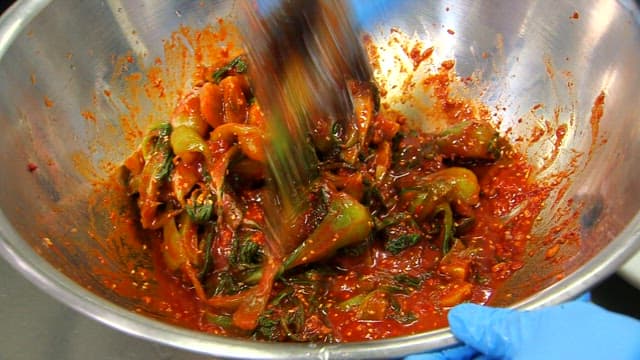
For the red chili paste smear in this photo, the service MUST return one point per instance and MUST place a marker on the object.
(425, 219)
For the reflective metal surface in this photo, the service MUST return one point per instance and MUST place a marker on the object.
(56, 60)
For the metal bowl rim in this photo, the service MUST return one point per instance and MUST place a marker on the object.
(24, 259)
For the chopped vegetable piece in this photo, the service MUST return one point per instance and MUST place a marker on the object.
(235, 66)
(158, 158)
(199, 206)
(211, 104)
(374, 306)
(394, 225)
(456, 185)
(400, 232)
(185, 139)
(447, 224)
(470, 140)
(173, 250)
(206, 249)
(224, 321)
(348, 222)
(397, 244)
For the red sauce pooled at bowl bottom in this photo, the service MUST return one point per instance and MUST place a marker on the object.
(401, 226)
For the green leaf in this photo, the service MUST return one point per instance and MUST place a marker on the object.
(404, 317)
(408, 280)
(352, 302)
(287, 292)
(247, 252)
(447, 222)
(206, 248)
(224, 321)
(237, 65)
(267, 327)
(399, 315)
(156, 150)
(226, 284)
(293, 323)
(199, 206)
(396, 245)
(400, 231)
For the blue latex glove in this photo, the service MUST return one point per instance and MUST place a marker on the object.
(575, 330)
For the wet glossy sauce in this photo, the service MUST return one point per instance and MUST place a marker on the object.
(369, 288)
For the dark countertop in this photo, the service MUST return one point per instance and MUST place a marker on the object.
(618, 295)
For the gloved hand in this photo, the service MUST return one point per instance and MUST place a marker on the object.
(575, 330)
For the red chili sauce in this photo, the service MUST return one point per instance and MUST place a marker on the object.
(401, 224)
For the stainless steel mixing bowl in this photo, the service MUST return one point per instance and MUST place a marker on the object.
(56, 62)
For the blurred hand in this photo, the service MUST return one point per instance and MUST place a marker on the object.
(575, 330)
